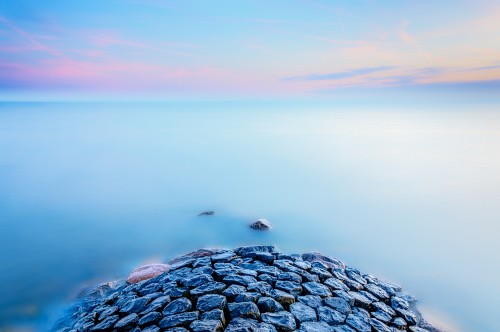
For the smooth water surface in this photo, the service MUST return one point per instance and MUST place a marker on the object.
(88, 191)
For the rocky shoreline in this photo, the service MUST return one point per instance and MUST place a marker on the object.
(246, 289)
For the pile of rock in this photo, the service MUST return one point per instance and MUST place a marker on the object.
(248, 289)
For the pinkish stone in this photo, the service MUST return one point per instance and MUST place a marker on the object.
(147, 272)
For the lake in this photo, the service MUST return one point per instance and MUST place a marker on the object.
(88, 191)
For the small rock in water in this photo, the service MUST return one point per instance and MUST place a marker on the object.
(261, 225)
(147, 272)
(206, 213)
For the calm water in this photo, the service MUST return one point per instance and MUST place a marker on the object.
(89, 191)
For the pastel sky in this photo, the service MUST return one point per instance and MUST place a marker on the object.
(248, 48)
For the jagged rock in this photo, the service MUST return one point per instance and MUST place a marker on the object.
(146, 272)
(359, 322)
(283, 320)
(379, 326)
(291, 287)
(268, 304)
(247, 297)
(183, 319)
(239, 280)
(315, 288)
(208, 288)
(314, 327)
(338, 304)
(399, 323)
(197, 280)
(261, 225)
(232, 291)
(150, 318)
(106, 324)
(312, 301)
(243, 310)
(330, 316)
(211, 301)
(127, 321)
(302, 312)
(177, 306)
(206, 326)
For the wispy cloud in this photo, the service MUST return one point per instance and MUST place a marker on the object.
(340, 75)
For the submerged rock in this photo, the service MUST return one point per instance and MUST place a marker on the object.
(261, 225)
(206, 213)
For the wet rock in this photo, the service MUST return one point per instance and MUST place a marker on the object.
(247, 297)
(315, 288)
(261, 287)
(399, 323)
(197, 280)
(268, 304)
(146, 272)
(377, 291)
(152, 328)
(106, 324)
(243, 310)
(211, 301)
(261, 225)
(232, 291)
(336, 284)
(182, 263)
(239, 280)
(150, 318)
(314, 327)
(342, 328)
(224, 257)
(206, 326)
(127, 321)
(302, 312)
(242, 325)
(264, 257)
(328, 261)
(271, 270)
(312, 301)
(283, 320)
(408, 316)
(330, 316)
(283, 297)
(290, 276)
(399, 303)
(293, 288)
(384, 307)
(216, 314)
(359, 322)
(135, 305)
(246, 251)
(338, 304)
(379, 326)
(177, 306)
(381, 316)
(360, 300)
(182, 319)
(208, 288)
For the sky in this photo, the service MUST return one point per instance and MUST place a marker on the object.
(167, 49)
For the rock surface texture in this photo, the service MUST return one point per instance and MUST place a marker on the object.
(261, 225)
(248, 289)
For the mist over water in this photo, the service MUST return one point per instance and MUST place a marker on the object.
(88, 191)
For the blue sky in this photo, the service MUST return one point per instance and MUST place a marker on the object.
(247, 49)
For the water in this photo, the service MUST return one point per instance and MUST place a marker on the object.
(88, 191)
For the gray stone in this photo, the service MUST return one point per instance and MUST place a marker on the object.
(135, 305)
(243, 310)
(197, 280)
(232, 291)
(290, 276)
(314, 327)
(379, 326)
(211, 301)
(216, 314)
(359, 322)
(106, 324)
(268, 304)
(150, 318)
(302, 312)
(177, 306)
(183, 319)
(338, 304)
(399, 323)
(127, 321)
(360, 300)
(336, 284)
(315, 288)
(283, 320)
(208, 288)
(312, 301)
(330, 316)
(247, 297)
(283, 297)
(206, 326)
(377, 291)
(291, 287)
(234, 279)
